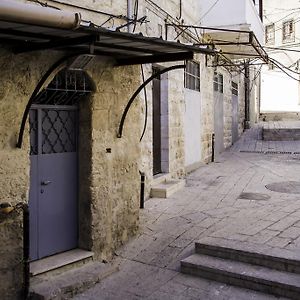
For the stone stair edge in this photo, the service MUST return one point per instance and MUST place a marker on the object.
(243, 274)
(247, 249)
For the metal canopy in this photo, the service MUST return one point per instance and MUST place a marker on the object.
(124, 48)
(231, 44)
(236, 44)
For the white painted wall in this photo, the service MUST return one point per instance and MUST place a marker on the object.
(192, 127)
(233, 14)
(279, 92)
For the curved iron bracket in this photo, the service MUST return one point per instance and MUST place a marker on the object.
(34, 94)
(120, 131)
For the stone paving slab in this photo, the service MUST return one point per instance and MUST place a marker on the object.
(210, 205)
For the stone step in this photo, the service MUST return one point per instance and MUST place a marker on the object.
(69, 283)
(61, 262)
(166, 188)
(281, 134)
(244, 275)
(263, 255)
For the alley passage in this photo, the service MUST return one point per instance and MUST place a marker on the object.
(228, 200)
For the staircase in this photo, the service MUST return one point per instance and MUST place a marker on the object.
(264, 269)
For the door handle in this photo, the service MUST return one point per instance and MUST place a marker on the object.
(46, 182)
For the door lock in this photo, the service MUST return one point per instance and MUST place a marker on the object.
(46, 182)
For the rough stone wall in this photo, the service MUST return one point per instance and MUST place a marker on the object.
(227, 108)
(241, 105)
(207, 109)
(11, 255)
(115, 179)
(19, 75)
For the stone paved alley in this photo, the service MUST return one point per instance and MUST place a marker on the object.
(227, 199)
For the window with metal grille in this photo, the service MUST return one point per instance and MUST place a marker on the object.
(288, 31)
(192, 76)
(218, 82)
(234, 88)
(270, 34)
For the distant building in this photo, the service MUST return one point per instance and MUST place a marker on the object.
(280, 92)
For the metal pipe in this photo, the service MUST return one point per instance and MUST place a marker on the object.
(129, 15)
(261, 10)
(213, 147)
(247, 96)
(15, 11)
(180, 9)
(26, 250)
(142, 194)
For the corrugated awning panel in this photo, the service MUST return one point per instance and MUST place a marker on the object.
(119, 45)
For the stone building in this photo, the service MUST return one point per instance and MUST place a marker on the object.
(280, 78)
(71, 146)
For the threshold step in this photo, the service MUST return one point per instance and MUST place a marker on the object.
(262, 255)
(244, 275)
(61, 260)
(70, 283)
(166, 188)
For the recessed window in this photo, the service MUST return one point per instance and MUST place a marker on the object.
(270, 34)
(218, 82)
(192, 76)
(234, 88)
(288, 31)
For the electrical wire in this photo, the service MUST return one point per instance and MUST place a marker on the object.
(283, 49)
(208, 11)
(283, 66)
(255, 77)
(283, 70)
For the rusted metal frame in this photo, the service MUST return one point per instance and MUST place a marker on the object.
(133, 97)
(146, 40)
(252, 38)
(209, 28)
(257, 47)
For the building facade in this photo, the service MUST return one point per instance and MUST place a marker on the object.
(280, 79)
(71, 68)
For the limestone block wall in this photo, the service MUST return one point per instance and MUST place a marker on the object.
(19, 75)
(114, 177)
(207, 109)
(11, 251)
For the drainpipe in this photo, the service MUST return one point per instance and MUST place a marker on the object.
(247, 96)
(26, 250)
(180, 10)
(261, 10)
(15, 11)
(142, 192)
(129, 14)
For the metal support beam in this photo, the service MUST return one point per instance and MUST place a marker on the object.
(52, 69)
(59, 43)
(155, 58)
(120, 131)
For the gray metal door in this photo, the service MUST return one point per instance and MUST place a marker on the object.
(156, 121)
(218, 114)
(235, 116)
(53, 180)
